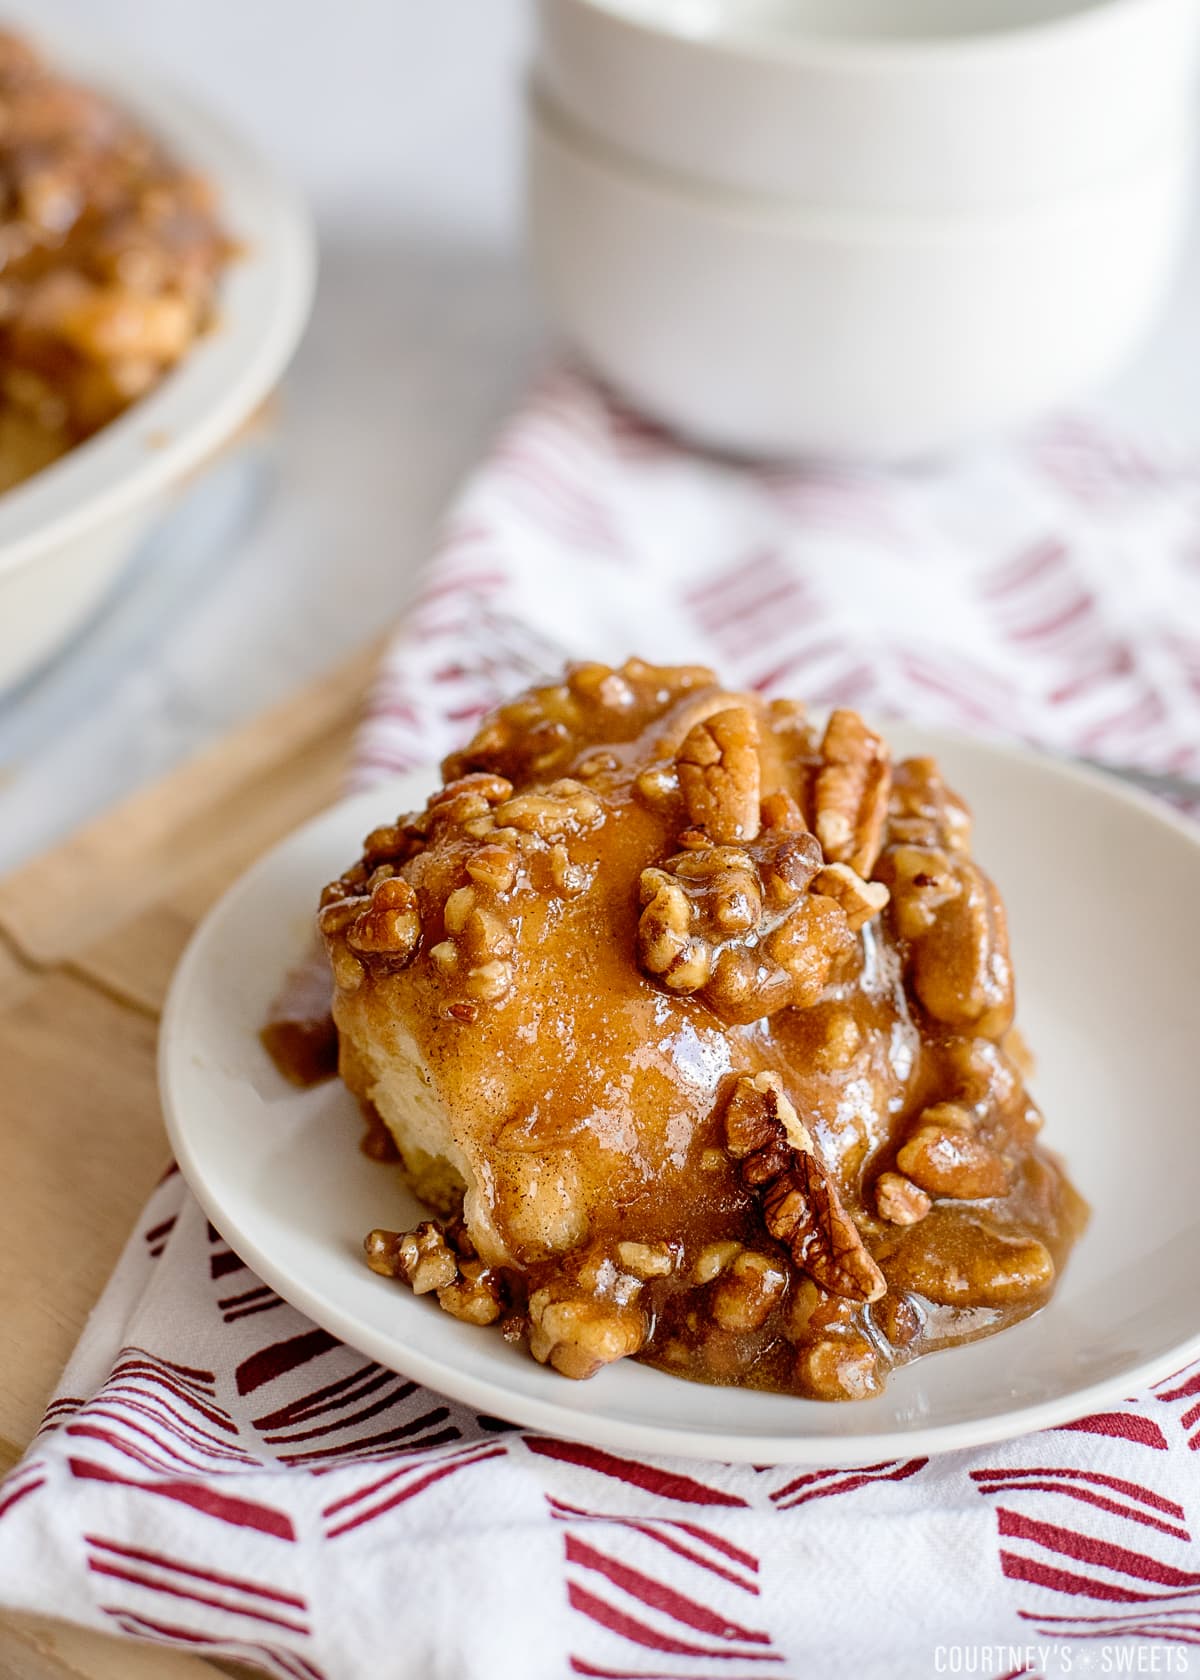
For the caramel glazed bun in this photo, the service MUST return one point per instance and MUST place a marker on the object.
(692, 1022)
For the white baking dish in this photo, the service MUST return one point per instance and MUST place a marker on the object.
(774, 329)
(66, 532)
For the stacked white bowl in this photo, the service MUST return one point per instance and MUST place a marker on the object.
(867, 228)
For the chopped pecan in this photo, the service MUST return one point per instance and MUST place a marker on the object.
(923, 811)
(382, 926)
(340, 907)
(476, 1294)
(423, 1258)
(390, 925)
(579, 1333)
(841, 1042)
(657, 787)
(747, 1291)
(713, 1259)
(601, 687)
(394, 843)
(540, 733)
(789, 717)
(494, 866)
(570, 879)
(851, 792)
(666, 945)
(371, 907)
(899, 1200)
(948, 1160)
(348, 972)
(898, 1317)
(949, 1116)
(647, 1260)
(861, 900)
(718, 772)
(814, 1312)
(1020, 1056)
(465, 799)
(478, 950)
(800, 1202)
(566, 808)
(736, 924)
(780, 810)
(835, 1360)
(844, 1367)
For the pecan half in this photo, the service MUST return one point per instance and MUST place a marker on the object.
(958, 1261)
(851, 792)
(800, 1203)
(719, 775)
(951, 916)
(944, 907)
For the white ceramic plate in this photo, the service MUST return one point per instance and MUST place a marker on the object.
(1103, 890)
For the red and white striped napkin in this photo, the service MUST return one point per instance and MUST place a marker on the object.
(216, 1473)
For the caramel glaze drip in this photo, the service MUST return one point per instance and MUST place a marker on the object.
(585, 1025)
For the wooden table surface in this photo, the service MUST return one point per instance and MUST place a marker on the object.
(89, 934)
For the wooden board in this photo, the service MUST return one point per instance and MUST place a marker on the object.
(89, 934)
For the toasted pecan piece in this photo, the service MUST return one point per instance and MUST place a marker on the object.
(899, 1200)
(947, 1160)
(738, 924)
(429, 1263)
(951, 916)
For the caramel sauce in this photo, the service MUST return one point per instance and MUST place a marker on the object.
(298, 1033)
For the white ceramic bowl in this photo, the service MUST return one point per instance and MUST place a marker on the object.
(768, 329)
(917, 105)
(66, 533)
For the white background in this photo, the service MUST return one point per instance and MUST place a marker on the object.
(401, 119)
